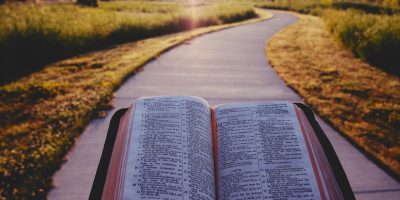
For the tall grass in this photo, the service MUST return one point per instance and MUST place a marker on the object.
(33, 35)
(302, 6)
(316, 6)
(370, 30)
(374, 38)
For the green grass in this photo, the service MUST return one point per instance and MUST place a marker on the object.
(302, 6)
(43, 113)
(33, 35)
(370, 30)
(316, 6)
(374, 38)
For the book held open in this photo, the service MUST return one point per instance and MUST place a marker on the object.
(179, 147)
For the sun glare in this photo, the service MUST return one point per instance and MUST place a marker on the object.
(194, 8)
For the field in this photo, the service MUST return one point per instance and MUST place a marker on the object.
(370, 31)
(44, 112)
(41, 34)
(360, 101)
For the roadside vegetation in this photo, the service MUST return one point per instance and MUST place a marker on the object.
(360, 101)
(370, 30)
(44, 112)
(371, 37)
(33, 35)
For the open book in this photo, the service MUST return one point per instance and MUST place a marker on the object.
(179, 147)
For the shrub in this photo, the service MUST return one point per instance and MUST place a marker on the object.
(315, 7)
(374, 38)
(370, 30)
(368, 8)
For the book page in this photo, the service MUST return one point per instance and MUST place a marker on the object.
(262, 153)
(170, 152)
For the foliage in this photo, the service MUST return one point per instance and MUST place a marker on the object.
(315, 7)
(91, 3)
(33, 35)
(307, 7)
(359, 100)
(366, 7)
(370, 30)
(374, 38)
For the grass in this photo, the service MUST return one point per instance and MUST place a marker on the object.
(34, 35)
(302, 6)
(43, 113)
(315, 7)
(374, 38)
(370, 31)
(360, 101)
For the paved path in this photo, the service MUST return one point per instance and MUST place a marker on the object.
(225, 66)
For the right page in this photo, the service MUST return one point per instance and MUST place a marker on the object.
(262, 153)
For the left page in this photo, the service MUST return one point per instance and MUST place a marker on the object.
(169, 151)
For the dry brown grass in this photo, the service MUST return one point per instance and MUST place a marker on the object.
(360, 101)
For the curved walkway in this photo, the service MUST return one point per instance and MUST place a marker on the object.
(224, 66)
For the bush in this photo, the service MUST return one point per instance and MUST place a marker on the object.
(374, 38)
(368, 8)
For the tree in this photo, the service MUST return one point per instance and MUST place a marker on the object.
(91, 3)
